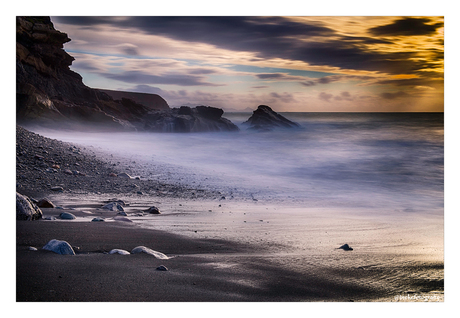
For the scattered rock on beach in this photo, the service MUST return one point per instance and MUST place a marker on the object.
(45, 203)
(57, 189)
(26, 209)
(125, 175)
(118, 251)
(162, 268)
(153, 210)
(122, 218)
(113, 206)
(143, 249)
(31, 248)
(67, 216)
(346, 247)
(98, 219)
(59, 247)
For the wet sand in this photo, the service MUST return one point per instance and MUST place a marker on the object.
(221, 250)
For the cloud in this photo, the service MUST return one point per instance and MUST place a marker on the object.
(344, 96)
(281, 38)
(335, 78)
(285, 97)
(398, 94)
(406, 27)
(325, 96)
(128, 49)
(139, 77)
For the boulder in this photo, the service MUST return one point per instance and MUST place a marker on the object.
(45, 203)
(59, 247)
(264, 118)
(67, 216)
(153, 210)
(143, 249)
(26, 209)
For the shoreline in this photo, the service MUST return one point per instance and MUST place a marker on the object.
(225, 269)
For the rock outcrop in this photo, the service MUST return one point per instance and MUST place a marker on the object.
(264, 118)
(187, 119)
(151, 101)
(48, 93)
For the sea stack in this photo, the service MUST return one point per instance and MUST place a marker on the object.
(264, 118)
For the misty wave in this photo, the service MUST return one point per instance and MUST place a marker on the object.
(334, 159)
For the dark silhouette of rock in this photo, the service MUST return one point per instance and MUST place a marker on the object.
(346, 247)
(187, 119)
(26, 209)
(151, 101)
(264, 118)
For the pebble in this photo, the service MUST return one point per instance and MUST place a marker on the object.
(162, 268)
(98, 219)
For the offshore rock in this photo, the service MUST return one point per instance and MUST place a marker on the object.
(186, 119)
(264, 118)
(26, 209)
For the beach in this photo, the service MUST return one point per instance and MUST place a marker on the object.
(222, 246)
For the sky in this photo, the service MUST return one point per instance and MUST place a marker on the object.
(291, 63)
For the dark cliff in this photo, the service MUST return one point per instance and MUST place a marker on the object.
(49, 93)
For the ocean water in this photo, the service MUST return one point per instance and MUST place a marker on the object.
(391, 161)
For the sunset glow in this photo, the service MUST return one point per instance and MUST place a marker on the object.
(377, 64)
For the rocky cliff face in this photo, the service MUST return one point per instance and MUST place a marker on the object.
(151, 101)
(264, 118)
(49, 93)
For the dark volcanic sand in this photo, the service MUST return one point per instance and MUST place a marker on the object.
(199, 270)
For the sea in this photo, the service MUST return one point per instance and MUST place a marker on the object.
(389, 161)
(374, 181)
